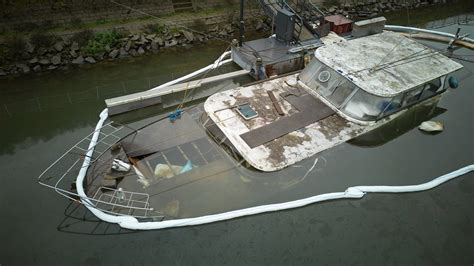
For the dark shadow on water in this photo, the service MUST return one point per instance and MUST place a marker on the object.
(79, 220)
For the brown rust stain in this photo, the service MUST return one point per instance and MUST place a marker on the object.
(332, 125)
(277, 146)
(258, 101)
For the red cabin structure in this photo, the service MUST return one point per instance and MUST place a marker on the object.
(339, 24)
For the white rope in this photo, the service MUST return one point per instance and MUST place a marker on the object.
(440, 33)
(351, 193)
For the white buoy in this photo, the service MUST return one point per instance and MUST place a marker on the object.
(431, 126)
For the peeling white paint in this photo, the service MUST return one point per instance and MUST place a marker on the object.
(386, 64)
(283, 151)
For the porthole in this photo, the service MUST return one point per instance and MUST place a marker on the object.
(324, 76)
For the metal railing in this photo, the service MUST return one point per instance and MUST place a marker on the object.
(123, 202)
(110, 200)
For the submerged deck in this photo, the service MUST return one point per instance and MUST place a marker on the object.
(185, 173)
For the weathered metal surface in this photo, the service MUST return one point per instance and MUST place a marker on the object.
(368, 27)
(332, 38)
(275, 55)
(310, 110)
(140, 100)
(386, 64)
(275, 103)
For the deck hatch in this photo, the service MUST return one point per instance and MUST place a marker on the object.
(246, 111)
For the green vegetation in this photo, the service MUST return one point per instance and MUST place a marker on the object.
(156, 28)
(101, 40)
(100, 21)
(174, 30)
(82, 37)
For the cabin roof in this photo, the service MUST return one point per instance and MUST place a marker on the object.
(386, 64)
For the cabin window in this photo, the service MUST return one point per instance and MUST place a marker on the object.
(308, 73)
(340, 93)
(431, 88)
(393, 106)
(412, 96)
(320, 78)
(365, 106)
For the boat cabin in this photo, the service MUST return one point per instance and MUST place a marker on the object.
(348, 89)
(370, 78)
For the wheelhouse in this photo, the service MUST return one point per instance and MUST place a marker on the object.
(376, 76)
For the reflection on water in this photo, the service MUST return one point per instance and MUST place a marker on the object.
(41, 106)
(399, 126)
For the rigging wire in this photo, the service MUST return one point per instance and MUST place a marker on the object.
(203, 76)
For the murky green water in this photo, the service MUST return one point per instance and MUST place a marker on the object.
(42, 115)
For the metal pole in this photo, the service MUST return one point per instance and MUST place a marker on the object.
(273, 23)
(241, 37)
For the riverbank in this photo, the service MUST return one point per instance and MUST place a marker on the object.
(63, 48)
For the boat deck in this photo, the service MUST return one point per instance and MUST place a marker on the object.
(182, 172)
(272, 141)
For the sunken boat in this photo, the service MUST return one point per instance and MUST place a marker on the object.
(225, 157)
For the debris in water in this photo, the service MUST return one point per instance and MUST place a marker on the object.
(172, 208)
(431, 126)
(120, 166)
(141, 177)
(163, 170)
